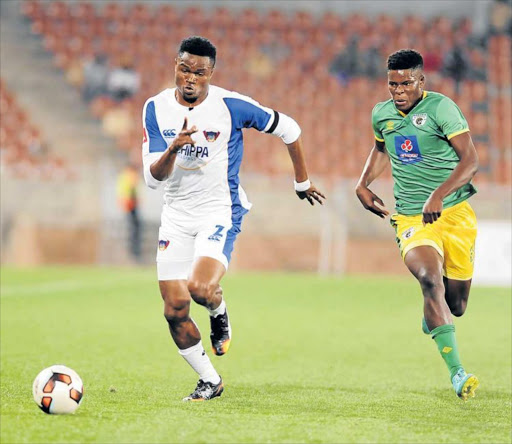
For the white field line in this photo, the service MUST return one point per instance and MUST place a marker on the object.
(65, 286)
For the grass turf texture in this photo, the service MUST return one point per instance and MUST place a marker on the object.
(312, 360)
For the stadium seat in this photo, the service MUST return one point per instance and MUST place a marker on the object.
(249, 19)
(58, 11)
(276, 20)
(23, 149)
(303, 21)
(31, 9)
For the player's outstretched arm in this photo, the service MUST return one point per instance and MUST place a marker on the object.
(303, 186)
(375, 164)
(162, 168)
(460, 176)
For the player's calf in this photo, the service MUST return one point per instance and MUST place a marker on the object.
(183, 330)
(458, 309)
(457, 295)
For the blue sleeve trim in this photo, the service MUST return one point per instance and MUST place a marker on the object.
(157, 143)
(246, 115)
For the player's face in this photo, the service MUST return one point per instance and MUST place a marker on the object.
(406, 87)
(192, 77)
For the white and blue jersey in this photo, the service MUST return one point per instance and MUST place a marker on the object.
(205, 177)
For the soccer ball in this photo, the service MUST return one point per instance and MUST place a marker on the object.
(58, 390)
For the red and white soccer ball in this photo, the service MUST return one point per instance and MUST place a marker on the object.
(58, 390)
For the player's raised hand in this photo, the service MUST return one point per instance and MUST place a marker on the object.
(311, 194)
(370, 200)
(184, 137)
(432, 209)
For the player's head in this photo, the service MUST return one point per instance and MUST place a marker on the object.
(194, 68)
(406, 80)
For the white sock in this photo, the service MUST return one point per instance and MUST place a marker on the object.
(200, 362)
(221, 309)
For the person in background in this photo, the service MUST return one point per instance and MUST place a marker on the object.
(124, 81)
(127, 183)
(96, 73)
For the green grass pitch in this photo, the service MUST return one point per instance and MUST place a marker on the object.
(312, 360)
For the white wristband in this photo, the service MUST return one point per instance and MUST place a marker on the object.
(302, 186)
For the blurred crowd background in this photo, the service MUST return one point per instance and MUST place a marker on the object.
(75, 74)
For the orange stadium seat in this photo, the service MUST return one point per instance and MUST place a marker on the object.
(31, 9)
(221, 17)
(330, 22)
(112, 12)
(21, 143)
(303, 20)
(386, 25)
(249, 19)
(166, 15)
(139, 13)
(194, 16)
(276, 20)
(83, 11)
(58, 11)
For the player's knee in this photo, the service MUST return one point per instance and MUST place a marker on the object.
(201, 291)
(177, 311)
(459, 308)
(428, 281)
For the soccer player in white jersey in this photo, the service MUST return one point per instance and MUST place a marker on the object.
(193, 145)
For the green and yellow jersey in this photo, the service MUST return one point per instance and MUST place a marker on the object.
(419, 148)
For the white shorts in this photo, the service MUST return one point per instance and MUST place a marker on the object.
(179, 244)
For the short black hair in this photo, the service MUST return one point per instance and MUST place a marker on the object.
(405, 59)
(199, 46)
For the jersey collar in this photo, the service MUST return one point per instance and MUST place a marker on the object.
(405, 115)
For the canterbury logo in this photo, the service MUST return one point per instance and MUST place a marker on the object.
(169, 133)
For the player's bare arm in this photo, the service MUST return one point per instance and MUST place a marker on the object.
(375, 164)
(162, 168)
(461, 175)
(299, 166)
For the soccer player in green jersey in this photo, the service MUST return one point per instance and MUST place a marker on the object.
(426, 138)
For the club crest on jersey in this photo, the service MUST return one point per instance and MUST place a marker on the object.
(390, 125)
(163, 244)
(211, 135)
(419, 119)
(407, 149)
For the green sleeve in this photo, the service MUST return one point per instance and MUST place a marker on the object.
(450, 119)
(376, 131)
